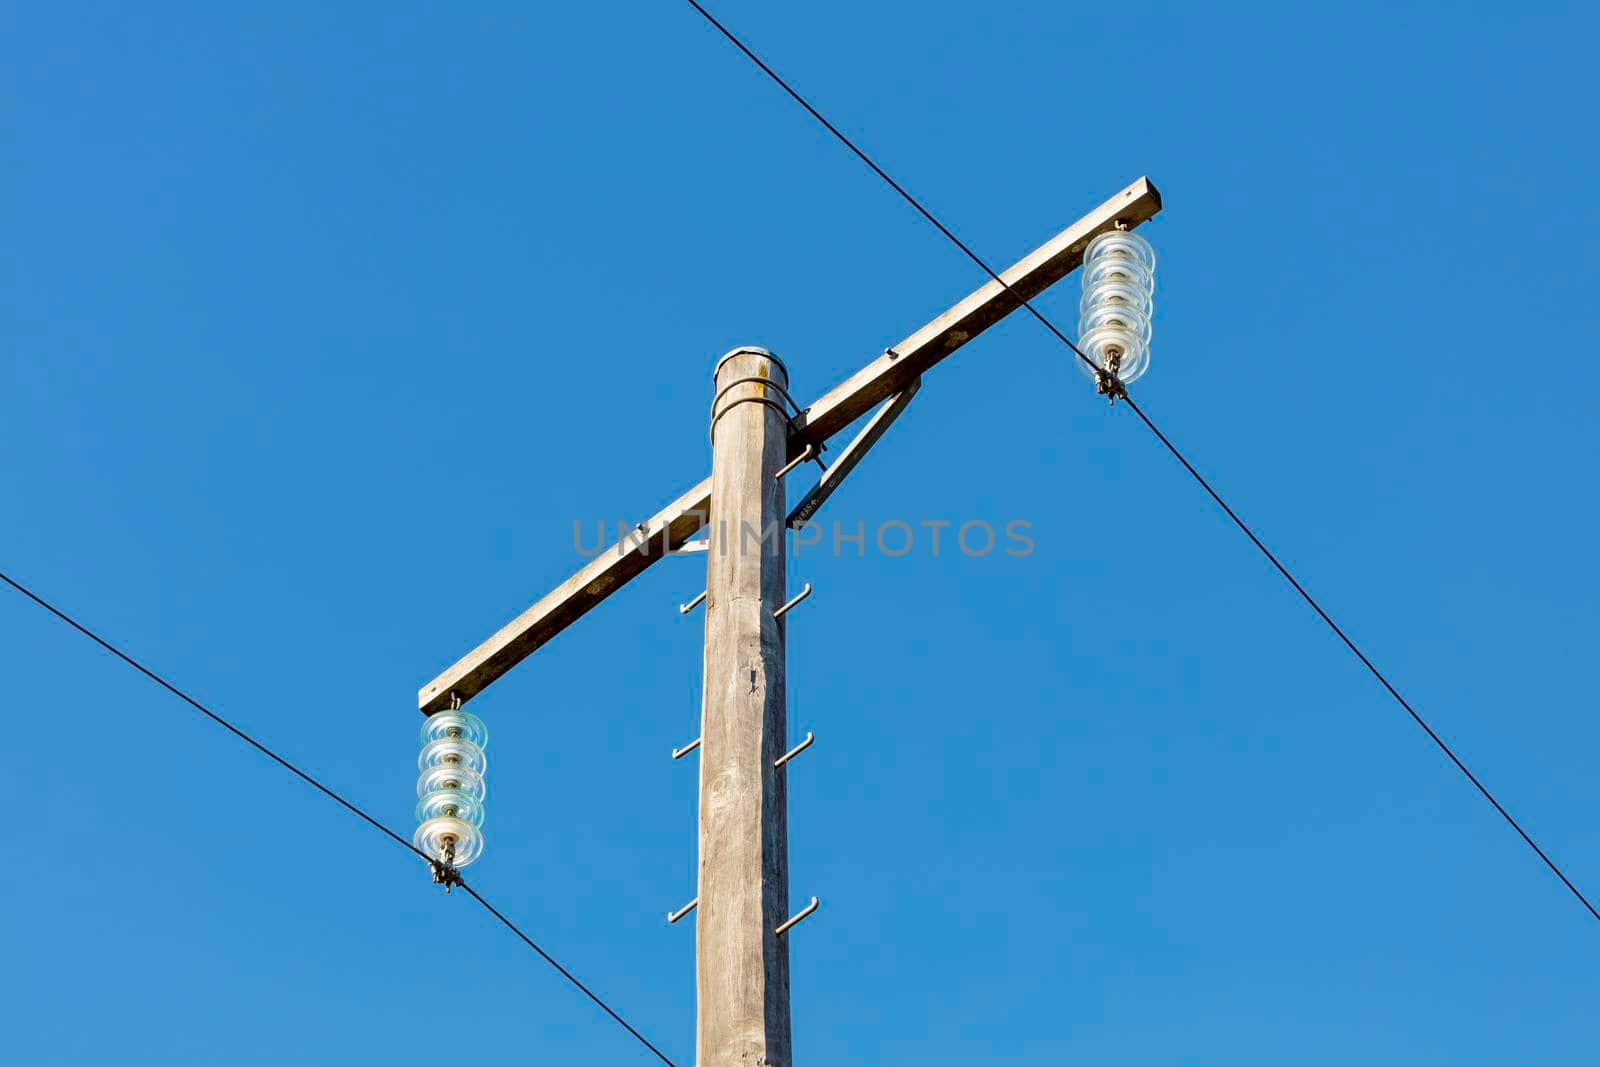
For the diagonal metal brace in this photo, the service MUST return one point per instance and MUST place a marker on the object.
(853, 452)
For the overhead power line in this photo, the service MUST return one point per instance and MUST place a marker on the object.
(331, 794)
(1178, 455)
(208, 713)
(473, 893)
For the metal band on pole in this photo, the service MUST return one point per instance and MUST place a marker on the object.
(748, 350)
(754, 379)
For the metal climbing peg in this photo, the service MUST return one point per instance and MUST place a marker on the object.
(783, 609)
(793, 752)
(811, 450)
(795, 918)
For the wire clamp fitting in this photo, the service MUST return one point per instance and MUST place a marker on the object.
(1106, 382)
(444, 872)
(445, 875)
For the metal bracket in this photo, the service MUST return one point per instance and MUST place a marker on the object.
(793, 752)
(835, 473)
(674, 916)
(796, 917)
(684, 609)
(679, 753)
(783, 609)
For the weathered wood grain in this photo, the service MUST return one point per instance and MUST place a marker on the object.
(741, 964)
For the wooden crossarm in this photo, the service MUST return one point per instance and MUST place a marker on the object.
(892, 373)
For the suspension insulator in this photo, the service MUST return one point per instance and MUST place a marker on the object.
(1119, 280)
(450, 789)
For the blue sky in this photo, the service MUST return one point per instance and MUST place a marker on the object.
(319, 328)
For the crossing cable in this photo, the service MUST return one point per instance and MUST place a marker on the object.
(1179, 456)
(309, 780)
(207, 712)
(473, 893)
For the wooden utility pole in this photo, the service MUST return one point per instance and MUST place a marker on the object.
(741, 963)
(741, 954)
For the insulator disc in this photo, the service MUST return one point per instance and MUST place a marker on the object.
(1117, 316)
(432, 837)
(456, 723)
(1121, 244)
(450, 776)
(455, 803)
(1128, 271)
(1133, 350)
(1116, 291)
(452, 750)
